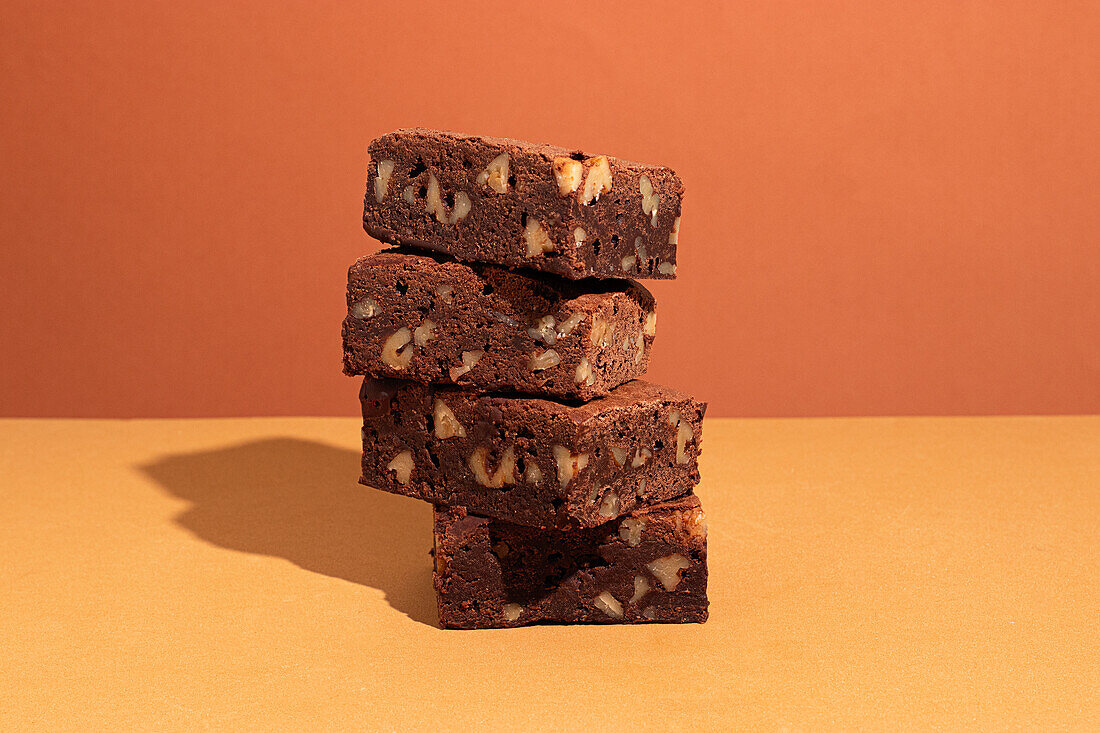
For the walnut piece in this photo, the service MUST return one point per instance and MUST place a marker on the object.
(650, 199)
(639, 247)
(597, 181)
(608, 604)
(667, 570)
(593, 494)
(382, 182)
(569, 464)
(445, 293)
(446, 424)
(609, 507)
(539, 361)
(584, 375)
(650, 613)
(640, 457)
(683, 435)
(697, 523)
(649, 328)
(629, 262)
(365, 308)
(424, 333)
(402, 466)
(639, 342)
(469, 359)
(511, 611)
(674, 235)
(630, 530)
(543, 330)
(396, 352)
(667, 268)
(566, 327)
(641, 587)
(619, 455)
(434, 203)
(409, 194)
(568, 174)
(495, 175)
(532, 474)
(505, 473)
(602, 332)
(578, 237)
(461, 208)
(537, 240)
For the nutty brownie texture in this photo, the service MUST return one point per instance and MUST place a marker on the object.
(648, 566)
(529, 460)
(434, 320)
(523, 204)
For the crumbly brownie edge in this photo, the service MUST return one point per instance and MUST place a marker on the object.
(647, 567)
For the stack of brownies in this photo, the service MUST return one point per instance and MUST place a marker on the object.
(501, 343)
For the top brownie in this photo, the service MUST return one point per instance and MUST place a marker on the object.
(523, 204)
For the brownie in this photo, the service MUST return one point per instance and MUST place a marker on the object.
(435, 320)
(648, 566)
(523, 204)
(530, 460)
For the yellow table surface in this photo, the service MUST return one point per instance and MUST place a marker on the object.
(865, 573)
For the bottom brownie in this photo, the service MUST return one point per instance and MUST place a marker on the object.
(650, 565)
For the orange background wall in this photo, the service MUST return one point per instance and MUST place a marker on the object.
(893, 208)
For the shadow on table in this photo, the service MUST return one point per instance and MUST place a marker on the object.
(299, 500)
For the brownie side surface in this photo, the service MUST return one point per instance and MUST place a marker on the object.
(523, 204)
(650, 566)
(530, 460)
(431, 319)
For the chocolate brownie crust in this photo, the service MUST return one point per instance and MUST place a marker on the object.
(529, 460)
(434, 320)
(649, 566)
(523, 204)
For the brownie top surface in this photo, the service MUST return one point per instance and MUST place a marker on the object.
(626, 396)
(421, 261)
(631, 395)
(465, 522)
(688, 501)
(547, 150)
